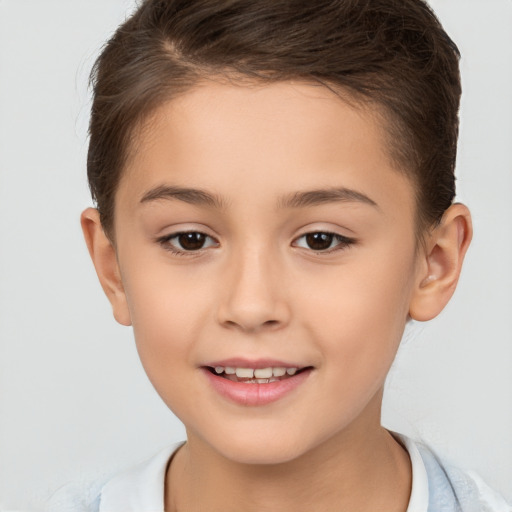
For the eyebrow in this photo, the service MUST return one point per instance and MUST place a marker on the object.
(322, 196)
(294, 200)
(188, 195)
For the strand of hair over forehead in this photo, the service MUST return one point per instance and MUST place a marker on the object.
(231, 33)
(281, 39)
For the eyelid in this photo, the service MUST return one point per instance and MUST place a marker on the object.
(343, 241)
(165, 242)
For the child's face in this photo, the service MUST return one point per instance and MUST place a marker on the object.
(254, 291)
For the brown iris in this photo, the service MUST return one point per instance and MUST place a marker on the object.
(319, 241)
(191, 241)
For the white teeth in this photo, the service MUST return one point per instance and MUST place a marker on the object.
(263, 373)
(262, 381)
(247, 373)
(268, 374)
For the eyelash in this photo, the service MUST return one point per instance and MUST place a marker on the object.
(165, 241)
(344, 242)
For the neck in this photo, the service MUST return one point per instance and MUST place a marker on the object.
(362, 468)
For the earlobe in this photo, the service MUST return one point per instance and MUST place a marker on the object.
(103, 255)
(441, 264)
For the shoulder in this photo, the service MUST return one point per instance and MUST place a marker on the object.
(140, 487)
(451, 488)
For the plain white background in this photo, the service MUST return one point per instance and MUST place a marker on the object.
(74, 401)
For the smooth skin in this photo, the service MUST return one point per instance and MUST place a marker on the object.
(257, 285)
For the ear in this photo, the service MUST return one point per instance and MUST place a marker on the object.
(441, 263)
(104, 257)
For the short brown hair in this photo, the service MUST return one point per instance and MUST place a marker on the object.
(391, 53)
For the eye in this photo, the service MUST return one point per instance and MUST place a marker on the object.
(323, 241)
(186, 242)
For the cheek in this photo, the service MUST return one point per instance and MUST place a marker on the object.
(358, 314)
(357, 324)
(169, 312)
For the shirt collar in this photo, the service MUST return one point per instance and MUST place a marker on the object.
(142, 487)
(418, 502)
(139, 488)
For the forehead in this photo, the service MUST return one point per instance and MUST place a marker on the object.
(279, 115)
(263, 141)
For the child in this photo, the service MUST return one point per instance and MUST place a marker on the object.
(274, 187)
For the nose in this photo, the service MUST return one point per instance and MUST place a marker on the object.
(254, 293)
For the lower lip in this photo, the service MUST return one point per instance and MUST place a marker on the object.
(255, 394)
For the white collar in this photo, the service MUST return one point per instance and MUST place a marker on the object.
(418, 502)
(142, 487)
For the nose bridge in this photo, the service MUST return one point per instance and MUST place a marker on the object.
(254, 295)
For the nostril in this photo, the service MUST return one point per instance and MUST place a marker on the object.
(250, 324)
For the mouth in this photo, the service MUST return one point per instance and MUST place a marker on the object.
(256, 383)
(256, 375)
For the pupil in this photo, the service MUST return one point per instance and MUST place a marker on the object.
(319, 241)
(191, 241)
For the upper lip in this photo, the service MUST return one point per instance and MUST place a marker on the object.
(237, 362)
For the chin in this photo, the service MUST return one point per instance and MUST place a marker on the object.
(260, 447)
(255, 453)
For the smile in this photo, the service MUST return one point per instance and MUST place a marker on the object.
(248, 386)
(255, 375)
